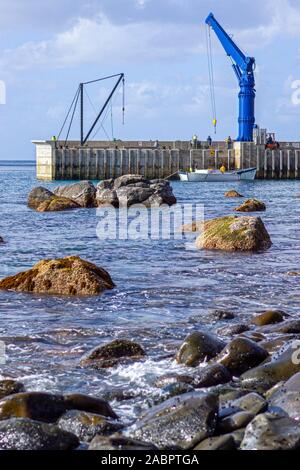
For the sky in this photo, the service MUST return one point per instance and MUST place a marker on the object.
(47, 48)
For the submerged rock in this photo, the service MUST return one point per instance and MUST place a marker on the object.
(27, 434)
(119, 351)
(87, 425)
(9, 387)
(271, 432)
(232, 233)
(232, 193)
(240, 355)
(48, 408)
(220, 315)
(251, 205)
(195, 226)
(197, 347)
(282, 366)
(83, 193)
(134, 189)
(43, 200)
(180, 422)
(268, 317)
(119, 442)
(65, 276)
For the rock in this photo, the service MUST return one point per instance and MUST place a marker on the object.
(197, 347)
(217, 443)
(251, 205)
(232, 330)
(26, 434)
(182, 421)
(293, 273)
(9, 387)
(119, 351)
(48, 408)
(282, 366)
(119, 442)
(1, 240)
(228, 393)
(107, 197)
(237, 436)
(268, 317)
(287, 327)
(125, 180)
(195, 226)
(220, 315)
(57, 204)
(271, 432)
(211, 375)
(232, 193)
(235, 421)
(134, 189)
(275, 345)
(170, 379)
(287, 397)
(87, 425)
(39, 195)
(78, 401)
(175, 389)
(252, 402)
(43, 200)
(232, 233)
(241, 354)
(83, 193)
(65, 276)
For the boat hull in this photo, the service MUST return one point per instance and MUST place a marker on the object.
(202, 176)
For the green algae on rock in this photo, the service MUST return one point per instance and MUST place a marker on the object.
(233, 233)
(64, 276)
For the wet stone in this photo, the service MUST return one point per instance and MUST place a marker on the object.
(87, 425)
(268, 317)
(211, 375)
(180, 422)
(217, 443)
(119, 442)
(235, 421)
(119, 351)
(197, 347)
(26, 434)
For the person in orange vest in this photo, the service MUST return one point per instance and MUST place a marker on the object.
(223, 168)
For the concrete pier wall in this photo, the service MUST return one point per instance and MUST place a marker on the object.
(56, 162)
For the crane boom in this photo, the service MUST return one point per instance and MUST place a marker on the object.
(243, 67)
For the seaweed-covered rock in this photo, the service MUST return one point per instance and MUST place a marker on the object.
(180, 422)
(119, 351)
(232, 193)
(87, 425)
(197, 347)
(211, 375)
(232, 233)
(65, 276)
(271, 432)
(251, 205)
(9, 387)
(83, 193)
(27, 434)
(48, 407)
(283, 365)
(134, 189)
(241, 354)
(119, 442)
(43, 200)
(268, 317)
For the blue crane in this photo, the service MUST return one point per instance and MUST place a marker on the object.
(244, 70)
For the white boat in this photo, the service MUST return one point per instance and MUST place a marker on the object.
(217, 175)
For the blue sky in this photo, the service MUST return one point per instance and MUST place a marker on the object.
(47, 48)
